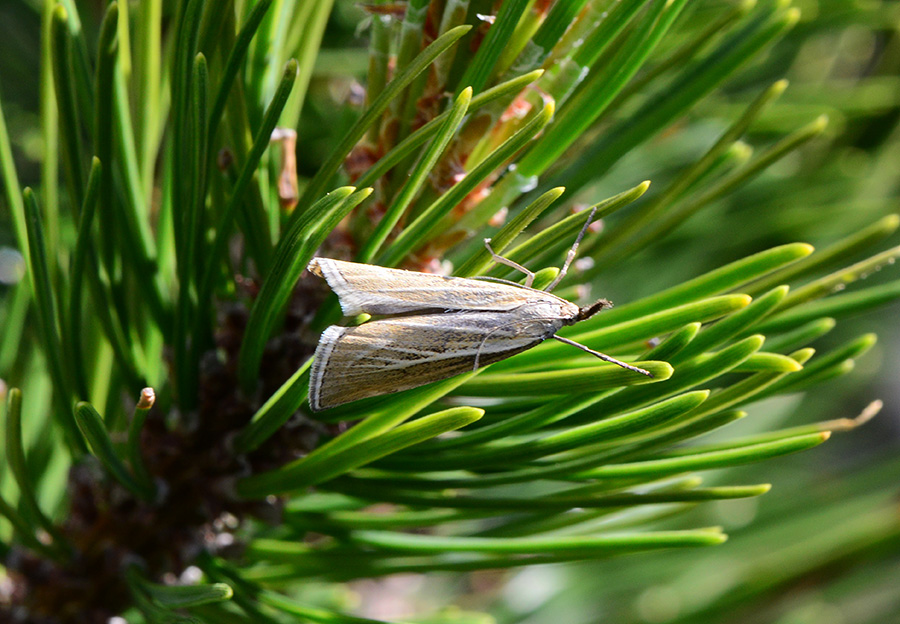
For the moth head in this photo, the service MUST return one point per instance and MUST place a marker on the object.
(590, 310)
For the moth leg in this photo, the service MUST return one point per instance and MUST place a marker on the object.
(604, 357)
(478, 353)
(571, 255)
(484, 340)
(513, 265)
(481, 346)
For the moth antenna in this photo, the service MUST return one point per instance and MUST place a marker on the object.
(499, 280)
(604, 357)
(571, 255)
(513, 265)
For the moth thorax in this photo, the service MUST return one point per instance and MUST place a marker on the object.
(552, 309)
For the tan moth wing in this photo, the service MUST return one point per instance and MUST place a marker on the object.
(378, 290)
(394, 354)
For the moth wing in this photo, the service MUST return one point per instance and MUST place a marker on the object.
(379, 290)
(390, 355)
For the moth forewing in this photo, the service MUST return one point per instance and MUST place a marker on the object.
(378, 290)
(389, 355)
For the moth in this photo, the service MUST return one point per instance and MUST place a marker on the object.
(432, 327)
